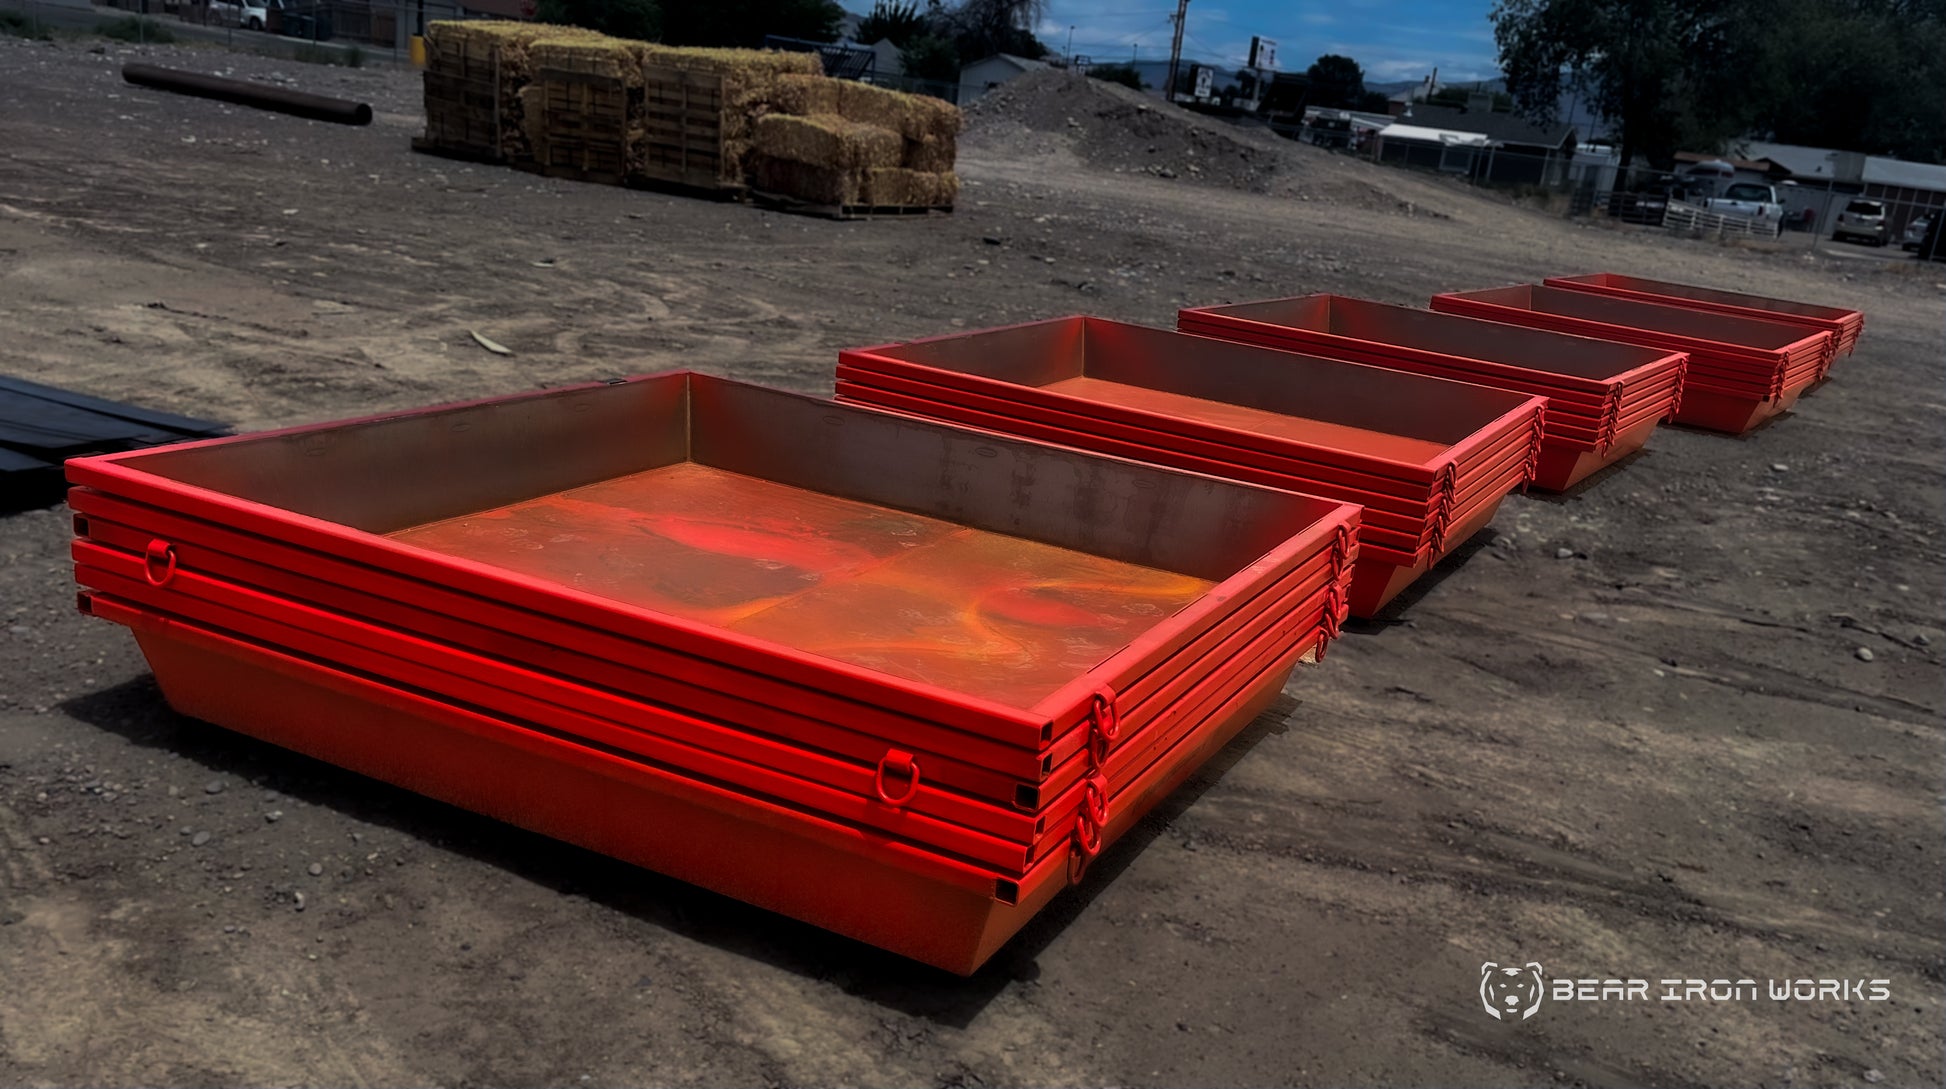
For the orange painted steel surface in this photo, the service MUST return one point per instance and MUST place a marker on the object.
(933, 910)
(1741, 372)
(1429, 459)
(996, 616)
(926, 673)
(1603, 398)
(1845, 325)
(1237, 417)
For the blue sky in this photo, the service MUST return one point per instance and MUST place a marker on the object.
(1391, 39)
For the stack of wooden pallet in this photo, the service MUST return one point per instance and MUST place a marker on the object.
(573, 103)
(475, 73)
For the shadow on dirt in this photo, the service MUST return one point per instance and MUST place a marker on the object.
(137, 712)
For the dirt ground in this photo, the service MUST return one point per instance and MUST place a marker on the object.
(1664, 756)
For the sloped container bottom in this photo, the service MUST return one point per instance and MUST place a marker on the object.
(824, 873)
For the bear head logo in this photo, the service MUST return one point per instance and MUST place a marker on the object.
(1511, 993)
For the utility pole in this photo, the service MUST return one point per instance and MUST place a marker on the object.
(1175, 50)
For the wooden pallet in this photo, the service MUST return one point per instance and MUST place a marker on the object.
(461, 154)
(781, 203)
(570, 173)
(462, 93)
(584, 124)
(683, 142)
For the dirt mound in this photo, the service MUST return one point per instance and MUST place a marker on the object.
(1124, 130)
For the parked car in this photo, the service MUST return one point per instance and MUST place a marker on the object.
(1915, 233)
(243, 14)
(1933, 246)
(1753, 199)
(1863, 220)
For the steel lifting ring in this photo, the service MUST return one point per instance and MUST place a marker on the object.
(1077, 864)
(908, 766)
(1105, 717)
(1090, 844)
(162, 551)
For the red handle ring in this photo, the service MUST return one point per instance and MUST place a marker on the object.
(1087, 835)
(911, 768)
(159, 549)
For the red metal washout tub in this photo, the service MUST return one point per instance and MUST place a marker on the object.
(1429, 460)
(1742, 371)
(1845, 325)
(1603, 398)
(895, 678)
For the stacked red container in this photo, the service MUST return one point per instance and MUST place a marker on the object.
(1742, 371)
(1603, 398)
(1845, 325)
(897, 679)
(1430, 460)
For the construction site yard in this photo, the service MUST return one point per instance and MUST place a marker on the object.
(1684, 723)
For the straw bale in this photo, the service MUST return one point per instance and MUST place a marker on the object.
(814, 184)
(750, 76)
(825, 141)
(509, 45)
(751, 79)
(896, 186)
(533, 120)
(914, 117)
(932, 154)
(804, 96)
(609, 57)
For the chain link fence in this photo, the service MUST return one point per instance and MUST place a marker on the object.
(1827, 217)
(342, 31)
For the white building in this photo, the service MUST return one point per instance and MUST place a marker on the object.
(982, 76)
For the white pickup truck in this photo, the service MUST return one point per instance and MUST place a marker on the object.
(1753, 199)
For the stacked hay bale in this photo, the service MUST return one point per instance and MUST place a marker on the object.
(584, 106)
(578, 102)
(475, 73)
(844, 143)
(742, 84)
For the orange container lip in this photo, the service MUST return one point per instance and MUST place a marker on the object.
(1845, 325)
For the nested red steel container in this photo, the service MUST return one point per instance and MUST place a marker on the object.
(899, 679)
(1603, 398)
(1845, 325)
(1429, 459)
(1742, 371)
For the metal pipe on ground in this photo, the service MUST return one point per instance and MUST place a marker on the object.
(244, 93)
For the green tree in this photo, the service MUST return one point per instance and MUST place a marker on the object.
(931, 57)
(981, 28)
(1335, 81)
(1856, 76)
(900, 23)
(638, 19)
(746, 22)
(1668, 73)
(1124, 74)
